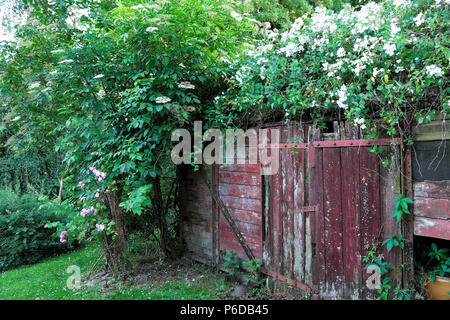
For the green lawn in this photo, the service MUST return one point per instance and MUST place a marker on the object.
(47, 280)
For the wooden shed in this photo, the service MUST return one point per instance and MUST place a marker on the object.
(310, 223)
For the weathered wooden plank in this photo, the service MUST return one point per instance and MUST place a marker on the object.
(242, 203)
(434, 228)
(284, 250)
(255, 168)
(432, 208)
(316, 198)
(299, 217)
(389, 189)
(245, 178)
(252, 230)
(432, 189)
(246, 216)
(370, 204)
(333, 223)
(288, 217)
(276, 219)
(229, 242)
(436, 130)
(351, 217)
(239, 190)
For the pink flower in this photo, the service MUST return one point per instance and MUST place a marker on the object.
(83, 199)
(100, 175)
(81, 184)
(100, 227)
(84, 212)
(97, 194)
(62, 237)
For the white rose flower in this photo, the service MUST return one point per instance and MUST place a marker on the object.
(419, 20)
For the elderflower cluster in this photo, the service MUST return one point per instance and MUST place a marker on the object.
(434, 70)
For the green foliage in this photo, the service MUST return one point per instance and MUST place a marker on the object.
(254, 266)
(377, 259)
(24, 239)
(233, 263)
(442, 267)
(394, 241)
(106, 83)
(401, 207)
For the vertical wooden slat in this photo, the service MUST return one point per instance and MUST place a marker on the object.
(299, 216)
(408, 224)
(370, 205)
(316, 198)
(389, 187)
(351, 231)
(333, 222)
(277, 231)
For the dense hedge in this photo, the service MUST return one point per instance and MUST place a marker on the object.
(23, 237)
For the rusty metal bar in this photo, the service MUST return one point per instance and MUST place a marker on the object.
(295, 283)
(284, 145)
(356, 143)
(309, 208)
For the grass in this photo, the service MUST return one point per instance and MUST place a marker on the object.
(47, 281)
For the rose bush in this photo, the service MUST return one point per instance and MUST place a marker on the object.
(383, 66)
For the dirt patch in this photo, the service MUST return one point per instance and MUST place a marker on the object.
(153, 273)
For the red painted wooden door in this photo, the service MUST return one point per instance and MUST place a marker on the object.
(327, 202)
(355, 195)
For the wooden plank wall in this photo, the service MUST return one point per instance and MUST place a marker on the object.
(198, 212)
(354, 195)
(432, 209)
(240, 190)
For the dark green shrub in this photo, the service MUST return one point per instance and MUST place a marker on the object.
(23, 237)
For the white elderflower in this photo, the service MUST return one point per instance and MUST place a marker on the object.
(151, 29)
(66, 61)
(57, 51)
(262, 60)
(163, 99)
(389, 48)
(341, 52)
(34, 85)
(394, 29)
(99, 76)
(419, 20)
(400, 3)
(186, 85)
(377, 71)
(291, 49)
(434, 70)
(54, 72)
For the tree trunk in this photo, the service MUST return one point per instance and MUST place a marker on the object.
(115, 246)
(158, 204)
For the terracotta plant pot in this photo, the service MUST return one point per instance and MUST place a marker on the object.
(439, 289)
